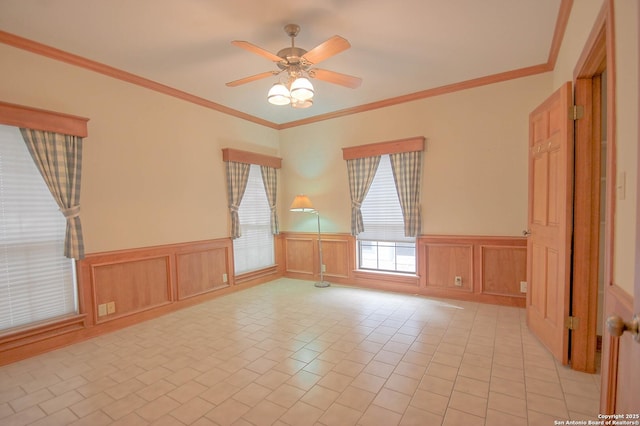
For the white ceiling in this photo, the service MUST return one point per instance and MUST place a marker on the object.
(397, 47)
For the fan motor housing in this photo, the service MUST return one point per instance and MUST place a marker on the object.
(292, 56)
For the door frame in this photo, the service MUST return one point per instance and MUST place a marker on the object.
(598, 54)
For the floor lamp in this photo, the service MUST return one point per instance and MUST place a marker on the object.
(302, 203)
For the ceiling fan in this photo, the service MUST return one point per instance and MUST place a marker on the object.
(296, 62)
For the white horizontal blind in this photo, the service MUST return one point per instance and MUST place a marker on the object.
(254, 249)
(381, 211)
(36, 281)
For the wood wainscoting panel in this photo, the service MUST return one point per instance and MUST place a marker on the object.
(132, 286)
(300, 256)
(491, 267)
(445, 262)
(336, 255)
(201, 271)
(503, 268)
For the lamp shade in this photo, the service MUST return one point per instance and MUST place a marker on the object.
(301, 89)
(278, 95)
(301, 203)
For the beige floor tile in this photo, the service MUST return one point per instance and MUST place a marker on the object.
(60, 418)
(98, 418)
(416, 417)
(392, 400)
(227, 412)
(407, 369)
(546, 405)
(319, 367)
(335, 381)
(284, 354)
(402, 384)
(378, 416)
(455, 417)
(264, 414)
(472, 386)
(187, 391)
(338, 414)
(443, 371)
(24, 417)
(192, 410)
(431, 402)
(91, 404)
(157, 408)
(219, 393)
(65, 400)
(436, 385)
(286, 395)
(356, 398)
(508, 404)
(543, 387)
(468, 403)
(320, 397)
(499, 418)
(380, 369)
(349, 368)
(252, 394)
(302, 414)
(304, 380)
(122, 407)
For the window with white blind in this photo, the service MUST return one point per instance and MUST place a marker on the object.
(36, 281)
(254, 248)
(382, 245)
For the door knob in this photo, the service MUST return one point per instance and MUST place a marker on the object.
(616, 326)
(526, 232)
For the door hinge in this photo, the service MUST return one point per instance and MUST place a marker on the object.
(576, 112)
(571, 323)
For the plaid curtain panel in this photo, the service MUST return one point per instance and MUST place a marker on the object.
(270, 180)
(361, 172)
(59, 159)
(237, 178)
(406, 167)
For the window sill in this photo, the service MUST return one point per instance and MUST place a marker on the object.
(395, 277)
(41, 331)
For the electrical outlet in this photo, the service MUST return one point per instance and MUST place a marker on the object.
(324, 268)
(225, 278)
(458, 281)
(523, 286)
(111, 308)
(102, 310)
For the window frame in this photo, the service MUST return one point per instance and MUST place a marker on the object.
(252, 158)
(378, 149)
(52, 121)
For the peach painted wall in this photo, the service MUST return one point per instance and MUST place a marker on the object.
(152, 164)
(583, 16)
(475, 163)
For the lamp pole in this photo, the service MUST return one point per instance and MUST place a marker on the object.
(301, 203)
(322, 282)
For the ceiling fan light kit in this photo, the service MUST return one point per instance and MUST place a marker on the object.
(297, 90)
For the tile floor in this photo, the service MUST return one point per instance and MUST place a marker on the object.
(287, 353)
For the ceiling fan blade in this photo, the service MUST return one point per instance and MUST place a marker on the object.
(336, 78)
(250, 78)
(333, 46)
(257, 50)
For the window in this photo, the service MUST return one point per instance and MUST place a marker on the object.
(254, 248)
(382, 245)
(36, 281)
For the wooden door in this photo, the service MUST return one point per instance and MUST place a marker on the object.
(550, 208)
(621, 354)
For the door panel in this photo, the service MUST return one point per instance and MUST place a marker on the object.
(550, 209)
